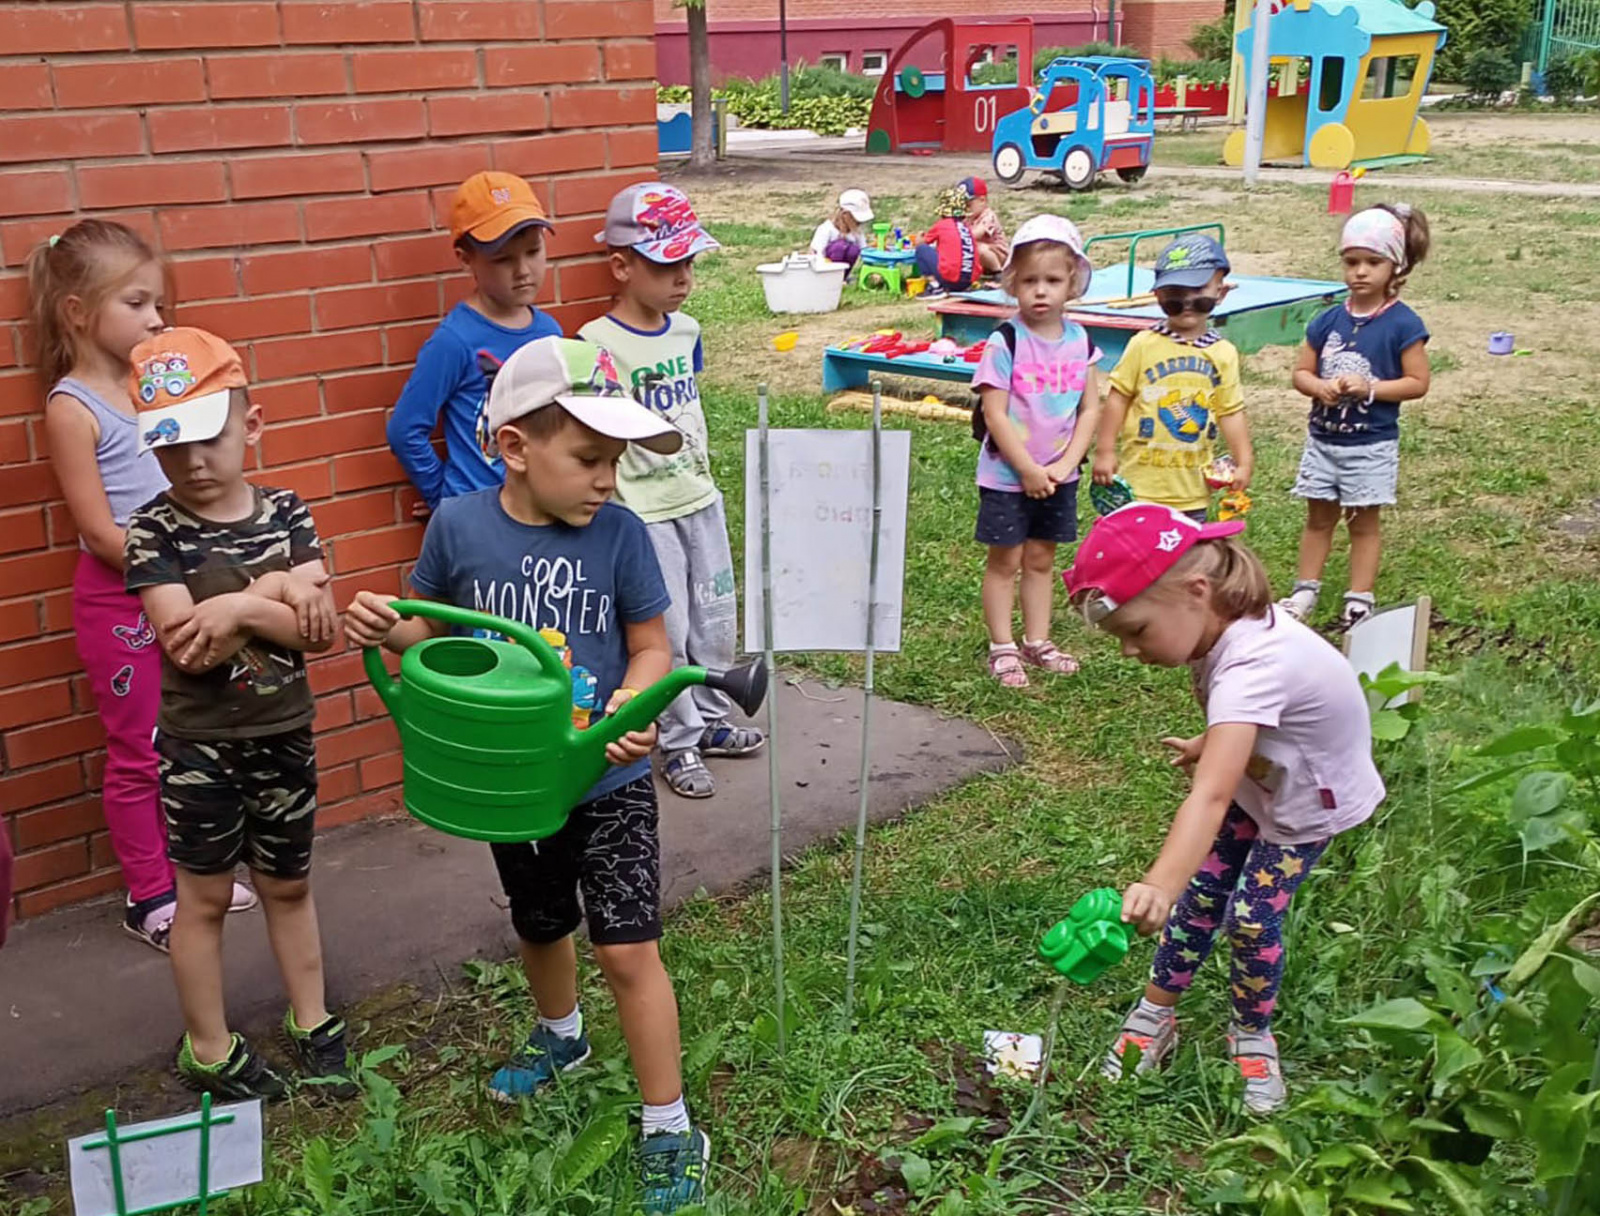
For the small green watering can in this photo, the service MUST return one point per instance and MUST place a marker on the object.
(1092, 938)
(486, 726)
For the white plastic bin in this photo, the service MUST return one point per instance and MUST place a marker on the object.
(803, 282)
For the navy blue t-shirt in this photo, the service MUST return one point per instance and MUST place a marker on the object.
(1361, 346)
(586, 582)
(447, 379)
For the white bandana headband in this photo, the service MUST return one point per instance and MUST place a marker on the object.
(1377, 230)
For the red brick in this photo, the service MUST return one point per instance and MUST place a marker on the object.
(355, 121)
(385, 580)
(21, 393)
(572, 239)
(408, 257)
(13, 442)
(350, 21)
(573, 317)
(38, 703)
(601, 107)
(582, 195)
(56, 611)
(281, 358)
(486, 112)
(585, 19)
(101, 854)
(407, 168)
(291, 270)
(584, 280)
(94, 770)
(25, 86)
(383, 548)
(238, 224)
(637, 146)
(369, 305)
(36, 744)
(414, 71)
(165, 27)
(210, 127)
(42, 659)
(35, 191)
(21, 530)
(368, 739)
(59, 526)
(364, 469)
(402, 342)
(333, 712)
(50, 137)
(338, 218)
(335, 785)
(22, 576)
(298, 174)
(540, 64)
(274, 74)
(14, 296)
(54, 863)
(120, 83)
(478, 20)
(368, 806)
(287, 401)
(324, 436)
(206, 278)
(71, 28)
(363, 390)
(378, 772)
(47, 899)
(630, 61)
(36, 829)
(39, 786)
(355, 513)
(240, 320)
(18, 619)
(165, 181)
(312, 482)
(550, 154)
(333, 673)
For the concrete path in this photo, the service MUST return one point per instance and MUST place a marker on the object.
(82, 1004)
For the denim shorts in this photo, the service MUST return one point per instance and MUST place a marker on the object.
(1009, 517)
(1352, 475)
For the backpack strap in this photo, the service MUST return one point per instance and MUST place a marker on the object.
(980, 427)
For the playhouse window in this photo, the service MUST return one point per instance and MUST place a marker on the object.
(874, 63)
(992, 65)
(839, 60)
(1330, 87)
(1391, 76)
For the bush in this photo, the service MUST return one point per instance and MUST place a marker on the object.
(821, 99)
(1214, 39)
(1488, 73)
(1479, 25)
(1564, 79)
(1196, 71)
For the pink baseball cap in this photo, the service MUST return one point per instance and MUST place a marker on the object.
(1128, 550)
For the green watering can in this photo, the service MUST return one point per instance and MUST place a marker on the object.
(486, 726)
(1091, 939)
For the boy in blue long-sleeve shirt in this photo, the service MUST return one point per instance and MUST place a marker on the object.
(499, 227)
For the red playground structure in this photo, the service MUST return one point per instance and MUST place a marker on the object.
(928, 98)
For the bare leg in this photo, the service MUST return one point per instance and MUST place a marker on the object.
(196, 950)
(296, 943)
(1038, 588)
(648, 1011)
(552, 971)
(1322, 517)
(999, 591)
(1366, 547)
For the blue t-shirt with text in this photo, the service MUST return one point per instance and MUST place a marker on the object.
(447, 379)
(1371, 346)
(587, 582)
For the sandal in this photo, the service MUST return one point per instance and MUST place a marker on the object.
(725, 740)
(1005, 665)
(687, 775)
(1047, 655)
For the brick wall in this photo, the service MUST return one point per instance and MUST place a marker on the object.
(855, 12)
(294, 161)
(1162, 27)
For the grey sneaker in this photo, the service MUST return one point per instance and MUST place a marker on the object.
(1358, 606)
(1256, 1054)
(1155, 1035)
(1301, 602)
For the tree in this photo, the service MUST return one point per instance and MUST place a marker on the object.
(701, 152)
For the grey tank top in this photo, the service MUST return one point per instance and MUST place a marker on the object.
(132, 478)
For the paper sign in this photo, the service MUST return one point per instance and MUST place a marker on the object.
(1010, 1054)
(821, 494)
(1388, 637)
(163, 1170)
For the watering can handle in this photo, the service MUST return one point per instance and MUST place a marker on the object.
(528, 638)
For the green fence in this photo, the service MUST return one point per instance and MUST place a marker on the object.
(1567, 27)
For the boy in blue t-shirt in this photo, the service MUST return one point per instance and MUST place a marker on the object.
(547, 549)
(498, 226)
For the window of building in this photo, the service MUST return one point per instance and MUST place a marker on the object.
(839, 60)
(874, 63)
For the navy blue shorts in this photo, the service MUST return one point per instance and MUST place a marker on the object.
(1007, 518)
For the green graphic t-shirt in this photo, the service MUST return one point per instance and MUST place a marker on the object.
(262, 689)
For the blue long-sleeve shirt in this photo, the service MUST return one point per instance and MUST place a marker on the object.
(446, 379)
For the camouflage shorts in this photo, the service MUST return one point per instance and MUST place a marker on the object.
(233, 800)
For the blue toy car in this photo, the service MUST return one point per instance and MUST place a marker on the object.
(1077, 125)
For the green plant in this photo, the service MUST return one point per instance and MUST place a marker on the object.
(1394, 710)
(1564, 78)
(1487, 73)
(1214, 39)
(1479, 25)
(1195, 71)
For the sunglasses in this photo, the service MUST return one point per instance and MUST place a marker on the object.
(1199, 304)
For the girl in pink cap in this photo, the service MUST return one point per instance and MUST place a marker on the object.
(1283, 766)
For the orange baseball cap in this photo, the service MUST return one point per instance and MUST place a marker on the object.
(182, 379)
(489, 207)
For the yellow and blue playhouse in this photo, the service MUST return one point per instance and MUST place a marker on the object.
(1351, 77)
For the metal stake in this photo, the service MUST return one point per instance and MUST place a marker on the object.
(772, 719)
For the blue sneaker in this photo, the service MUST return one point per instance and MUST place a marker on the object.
(672, 1170)
(537, 1063)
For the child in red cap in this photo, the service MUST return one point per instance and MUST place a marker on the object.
(1283, 766)
(988, 234)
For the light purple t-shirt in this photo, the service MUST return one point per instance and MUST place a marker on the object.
(1311, 775)
(1045, 382)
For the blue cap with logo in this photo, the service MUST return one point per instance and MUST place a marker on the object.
(1190, 261)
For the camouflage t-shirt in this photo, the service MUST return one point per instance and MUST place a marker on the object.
(261, 690)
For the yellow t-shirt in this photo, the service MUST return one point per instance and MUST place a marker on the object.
(1176, 392)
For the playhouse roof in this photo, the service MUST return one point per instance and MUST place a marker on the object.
(1379, 17)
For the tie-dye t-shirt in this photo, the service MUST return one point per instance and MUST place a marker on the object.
(1045, 379)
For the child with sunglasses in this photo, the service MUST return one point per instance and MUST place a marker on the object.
(1175, 387)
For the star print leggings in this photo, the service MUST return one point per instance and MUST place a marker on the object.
(1243, 888)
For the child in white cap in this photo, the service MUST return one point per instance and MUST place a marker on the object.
(842, 236)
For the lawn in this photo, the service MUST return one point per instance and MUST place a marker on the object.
(1413, 914)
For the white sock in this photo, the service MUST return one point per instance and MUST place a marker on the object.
(673, 1117)
(993, 646)
(569, 1027)
(1034, 642)
(1151, 1010)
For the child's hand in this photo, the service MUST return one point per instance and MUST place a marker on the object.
(1241, 477)
(1146, 907)
(1355, 386)
(198, 642)
(1188, 751)
(1105, 467)
(369, 619)
(1037, 482)
(1328, 392)
(636, 744)
(1061, 472)
(313, 606)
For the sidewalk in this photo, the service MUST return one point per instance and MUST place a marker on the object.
(82, 1004)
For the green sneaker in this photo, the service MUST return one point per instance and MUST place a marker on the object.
(321, 1055)
(672, 1170)
(243, 1075)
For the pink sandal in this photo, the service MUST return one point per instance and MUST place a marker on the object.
(1005, 665)
(1048, 656)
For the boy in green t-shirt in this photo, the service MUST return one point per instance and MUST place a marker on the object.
(1175, 387)
(654, 236)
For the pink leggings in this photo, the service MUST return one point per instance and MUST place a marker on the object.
(120, 655)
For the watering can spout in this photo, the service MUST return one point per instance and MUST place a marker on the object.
(745, 685)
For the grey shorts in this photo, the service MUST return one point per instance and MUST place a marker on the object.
(1352, 475)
